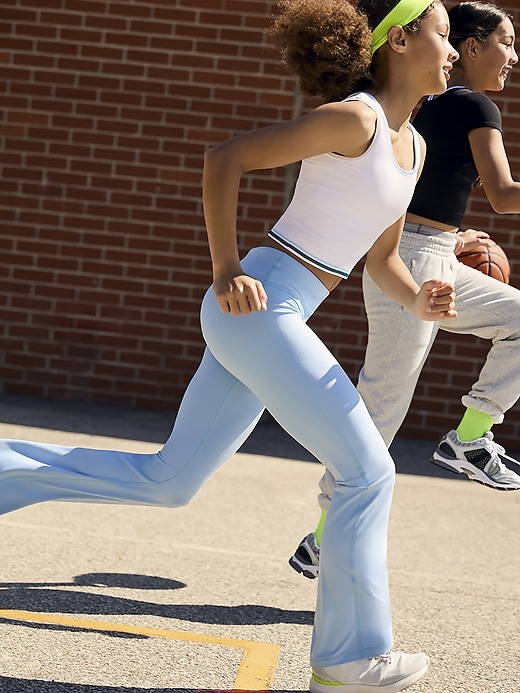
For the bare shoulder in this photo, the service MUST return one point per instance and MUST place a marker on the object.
(353, 122)
(350, 114)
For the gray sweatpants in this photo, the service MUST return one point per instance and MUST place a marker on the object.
(399, 342)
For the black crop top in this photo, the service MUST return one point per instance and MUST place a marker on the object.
(449, 172)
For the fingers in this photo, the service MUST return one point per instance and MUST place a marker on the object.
(242, 297)
(442, 301)
(473, 237)
(474, 233)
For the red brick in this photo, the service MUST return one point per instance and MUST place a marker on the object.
(105, 136)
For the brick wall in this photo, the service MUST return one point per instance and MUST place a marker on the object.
(107, 110)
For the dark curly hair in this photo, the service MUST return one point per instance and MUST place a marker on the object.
(327, 43)
(475, 19)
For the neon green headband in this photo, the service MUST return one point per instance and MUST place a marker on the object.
(403, 13)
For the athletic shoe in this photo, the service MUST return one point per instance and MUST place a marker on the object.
(480, 459)
(306, 558)
(390, 672)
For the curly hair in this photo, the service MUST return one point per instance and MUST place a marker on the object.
(327, 43)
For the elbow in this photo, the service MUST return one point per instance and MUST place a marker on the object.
(500, 206)
(505, 200)
(211, 155)
(214, 162)
(223, 157)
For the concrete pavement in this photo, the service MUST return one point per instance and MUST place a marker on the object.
(101, 598)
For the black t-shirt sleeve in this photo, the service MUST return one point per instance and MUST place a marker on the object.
(478, 111)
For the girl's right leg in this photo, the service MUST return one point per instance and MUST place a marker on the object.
(291, 371)
(281, 359)
(398, 342)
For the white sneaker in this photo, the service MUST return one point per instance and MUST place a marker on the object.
(480, 459)
(390, 672)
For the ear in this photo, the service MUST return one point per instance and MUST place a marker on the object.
(472, 47)
(396, 39)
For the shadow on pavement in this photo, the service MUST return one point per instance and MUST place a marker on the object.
(410, 456)
(49, 597)
(10, 685)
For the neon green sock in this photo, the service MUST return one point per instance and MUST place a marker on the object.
(319, 529)
(473, 425)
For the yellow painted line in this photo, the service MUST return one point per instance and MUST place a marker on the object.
(256, 671)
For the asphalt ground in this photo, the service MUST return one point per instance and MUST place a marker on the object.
(103, 598)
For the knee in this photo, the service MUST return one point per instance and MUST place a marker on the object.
(382, 475)
(172, 494)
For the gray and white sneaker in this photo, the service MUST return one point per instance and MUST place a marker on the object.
(391, 672)
(480, 459)
(306, 558)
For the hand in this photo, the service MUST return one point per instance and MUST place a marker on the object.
(471, 238)
(436, 301)
(240, 294)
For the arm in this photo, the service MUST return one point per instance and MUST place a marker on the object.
(432, 301)
(489, 154)
(342, 127)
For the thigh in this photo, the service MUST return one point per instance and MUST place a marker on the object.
(397, 336)
(216, 416)
(397, 347)
(279, 358)
(486, 307)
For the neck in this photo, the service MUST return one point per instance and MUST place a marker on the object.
(460, 77)
(398, 104)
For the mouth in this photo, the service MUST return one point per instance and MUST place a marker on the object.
(447, 69)
(505, 72)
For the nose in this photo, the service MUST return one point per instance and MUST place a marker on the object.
(514, 58)
(454, 56)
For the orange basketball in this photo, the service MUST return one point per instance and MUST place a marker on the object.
(490, 260)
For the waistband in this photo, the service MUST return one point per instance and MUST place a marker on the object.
(425, 230)
(275, 267)
(428, 238)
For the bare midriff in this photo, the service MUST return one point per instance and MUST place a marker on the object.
(330, 281)
(415, 219)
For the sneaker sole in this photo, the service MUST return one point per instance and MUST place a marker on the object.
(310, 572)
(473, 473)
(317, 686)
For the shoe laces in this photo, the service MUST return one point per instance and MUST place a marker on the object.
(497, 451)
(385, 658)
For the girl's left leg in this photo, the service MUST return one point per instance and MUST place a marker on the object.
(216, 416)
(490, 310)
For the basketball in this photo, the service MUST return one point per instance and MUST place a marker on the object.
(490, 260)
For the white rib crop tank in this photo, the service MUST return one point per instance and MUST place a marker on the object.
(341, 205)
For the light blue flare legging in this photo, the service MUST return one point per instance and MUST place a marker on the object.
(267, 359)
